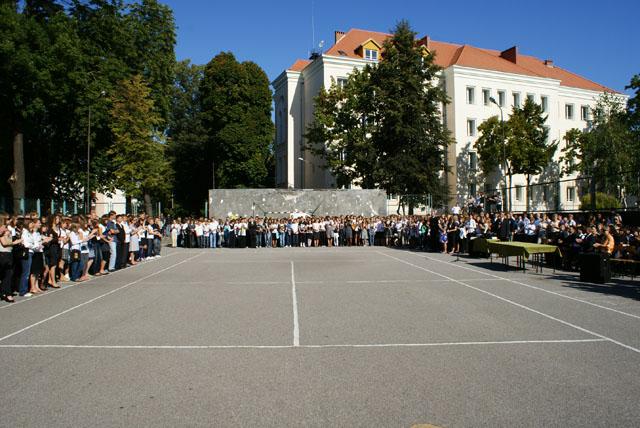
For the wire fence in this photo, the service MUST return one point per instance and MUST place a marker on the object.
(44, 206)
(593, 193)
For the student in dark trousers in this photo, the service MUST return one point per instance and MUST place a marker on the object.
(6, 263)
(121, 250)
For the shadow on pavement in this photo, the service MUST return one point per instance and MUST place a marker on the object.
(626, 288)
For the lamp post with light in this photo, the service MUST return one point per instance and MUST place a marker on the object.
(507, 199)
(87, 208)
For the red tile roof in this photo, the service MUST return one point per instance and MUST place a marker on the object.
(448, 54)
(299, 65)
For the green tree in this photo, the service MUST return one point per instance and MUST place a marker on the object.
(119, 40)
(39, 51)
(529, 148)
(633, 105)
(605, 151)
(386, 130)
(153, 27)
(138, 151)
(521, 142)
(236, 112)
(491, 147)
(57, 59)
(342, 128)
(410, 137)
(633, 120)
(188, 139)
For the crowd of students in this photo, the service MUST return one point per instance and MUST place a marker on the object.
(447, 233)
(39, 253)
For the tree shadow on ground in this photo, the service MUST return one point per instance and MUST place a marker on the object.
(616, 287)
(620, 287)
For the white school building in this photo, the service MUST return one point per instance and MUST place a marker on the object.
(471, 77)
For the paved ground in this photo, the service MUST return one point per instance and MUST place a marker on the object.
(322, 337)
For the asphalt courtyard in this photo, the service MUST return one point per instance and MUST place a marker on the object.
(322, 337)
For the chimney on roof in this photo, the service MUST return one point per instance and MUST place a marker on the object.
(548, 63)
(510, 54)
(338, 35)
(424, 41)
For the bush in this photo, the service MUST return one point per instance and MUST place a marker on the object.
(604, 201)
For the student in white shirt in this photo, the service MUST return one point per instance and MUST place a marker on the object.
(6, 262)
(75, 242)
(175, 230)
(26, 258)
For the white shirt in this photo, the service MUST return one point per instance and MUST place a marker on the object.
(27, 240)
(83, 245)
(37, 242)
(75, 241)
(127, 232)
(471, 225)
(62, 234)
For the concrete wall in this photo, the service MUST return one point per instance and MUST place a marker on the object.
(245, 202)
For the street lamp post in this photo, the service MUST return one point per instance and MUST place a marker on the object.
(87, 208)
(302, 161)
(507, 199)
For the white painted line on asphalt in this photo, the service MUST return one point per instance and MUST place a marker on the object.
(586, 302)
(258, 283)
(73, 284)
(409, 281)
(94, 299)
(577, 327)
(337, 346)
(296, 327)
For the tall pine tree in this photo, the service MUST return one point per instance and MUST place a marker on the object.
(383, 128)
(138, 151)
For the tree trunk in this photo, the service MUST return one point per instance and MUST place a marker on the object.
(127, 205)
(148, 208)
(17, 179)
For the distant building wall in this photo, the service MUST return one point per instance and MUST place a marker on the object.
(281, 202)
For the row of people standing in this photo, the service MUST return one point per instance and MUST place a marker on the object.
(38, 253)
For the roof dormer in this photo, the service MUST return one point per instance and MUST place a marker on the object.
(369, 50)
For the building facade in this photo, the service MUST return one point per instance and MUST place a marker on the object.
(472, 77)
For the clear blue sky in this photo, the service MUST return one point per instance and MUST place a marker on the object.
(597, 39)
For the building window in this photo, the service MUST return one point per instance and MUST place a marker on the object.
(472, 189)
(531, 98)
(341, 82)
(473, 161)
(371, 54)
(584, 113)
(571, 194)
(545, 193)
(486, 94)
(502, 98)
(471, 127)
(471, 95)
(516, 99)
(544, 103)
(518, 193)
(568, 111)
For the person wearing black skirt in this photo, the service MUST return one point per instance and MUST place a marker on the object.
(52, 252)
(6, 263)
